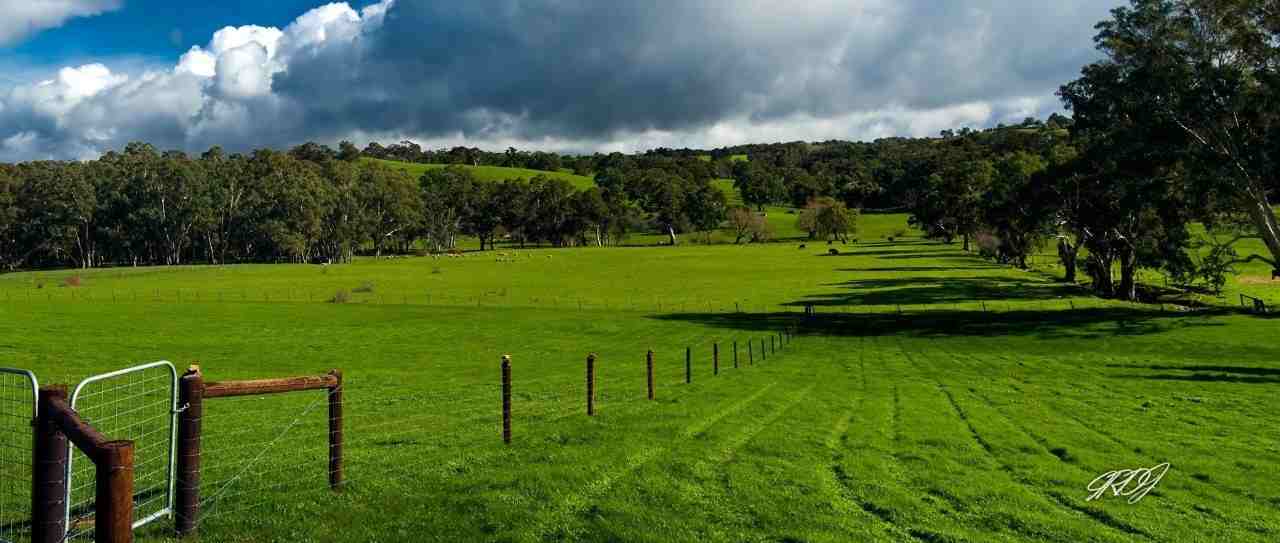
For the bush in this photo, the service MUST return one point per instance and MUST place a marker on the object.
(900, 233)
(72, 281)
(367, 286)
(340, 297)
(988, 245)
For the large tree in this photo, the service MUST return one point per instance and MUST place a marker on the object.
(1201, 76)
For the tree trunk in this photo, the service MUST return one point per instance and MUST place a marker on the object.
(1264, 218)
(1128, 272)
(1067, 254)
(671, 232)
(1099, 269)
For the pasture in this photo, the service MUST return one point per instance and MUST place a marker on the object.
(490, 173)
(932, 397)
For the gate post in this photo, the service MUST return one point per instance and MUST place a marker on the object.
(186, 512)
(113, 514)
(49, 476)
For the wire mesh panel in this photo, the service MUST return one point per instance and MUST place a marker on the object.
(137, 404)
(18, 391)
(263, 450)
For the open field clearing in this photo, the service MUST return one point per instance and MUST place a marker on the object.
(979, 411)
(490, 173)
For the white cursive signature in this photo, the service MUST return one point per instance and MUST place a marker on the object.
(1119, 481)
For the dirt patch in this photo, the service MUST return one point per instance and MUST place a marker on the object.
(1258, 280)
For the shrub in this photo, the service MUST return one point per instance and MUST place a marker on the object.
(366, 286)
(72, 281)
(988, 245)
(900, 233)
(340, 297)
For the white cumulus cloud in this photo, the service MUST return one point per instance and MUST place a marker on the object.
(23, 18)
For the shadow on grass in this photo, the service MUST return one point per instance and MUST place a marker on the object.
(1205, 373)
(909, 269)
(937, 290)
(1079, 324)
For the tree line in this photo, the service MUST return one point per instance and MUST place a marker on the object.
(140, 206)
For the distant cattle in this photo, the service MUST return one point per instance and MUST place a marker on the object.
(833, 252)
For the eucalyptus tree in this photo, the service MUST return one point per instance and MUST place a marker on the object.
(1201, 77)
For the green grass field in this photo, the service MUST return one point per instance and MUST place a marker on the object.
(490, 173)
(934, 396)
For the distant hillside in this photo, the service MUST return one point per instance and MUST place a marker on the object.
(491, 173)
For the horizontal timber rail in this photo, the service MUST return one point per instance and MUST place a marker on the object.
(228, 389)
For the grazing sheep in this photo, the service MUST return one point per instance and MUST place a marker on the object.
(833, 252)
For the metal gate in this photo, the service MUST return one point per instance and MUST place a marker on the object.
(137, 404)
(19, 392)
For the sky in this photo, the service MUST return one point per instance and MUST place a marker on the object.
(81, 77)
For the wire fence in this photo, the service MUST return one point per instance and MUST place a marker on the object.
(138, 405)
(18, 391)
(357, 294)
(269, 452)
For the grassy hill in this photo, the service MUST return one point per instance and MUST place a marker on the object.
(933, 397)
(491, 173)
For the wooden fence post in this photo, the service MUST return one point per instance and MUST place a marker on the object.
(335, 431)
(688, 365)
(186, 514)
(506, 399)
(735, 354)
(751, 357)
(113, 508)
(591, 384)
(764, 353)
(715, 358)
(49, 481)
(648, 362)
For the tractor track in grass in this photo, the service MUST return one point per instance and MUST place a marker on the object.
(837, 482)
(1099, 516)
(580, 500)
(1046, 447)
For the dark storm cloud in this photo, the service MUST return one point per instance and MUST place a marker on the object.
(573, 75)
(580, 69)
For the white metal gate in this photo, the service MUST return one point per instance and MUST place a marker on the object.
(137, 404)
(19, 392)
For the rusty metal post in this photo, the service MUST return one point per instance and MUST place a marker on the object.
(648, 360)
(715, 359)
(735, 354)
(113, 507)
(186, 514)
(48, 481)
(688, 365)
(335, 432)
(591, 384)
(506, 399)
